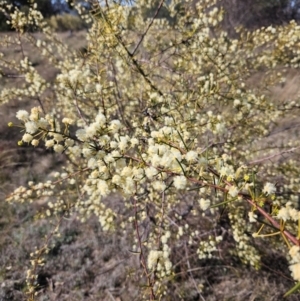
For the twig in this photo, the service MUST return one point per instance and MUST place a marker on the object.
(191, 275)
(290, 236)
(148, 27)
(273, 156)
(142, 257)
(110, 295)
(273, 222)
(41, 104)
(134, 61)
(246, 197)
(110, 268)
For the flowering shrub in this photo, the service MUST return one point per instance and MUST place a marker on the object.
(165, 116)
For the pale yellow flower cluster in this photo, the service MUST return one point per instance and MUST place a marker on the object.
(246, 252)
(294, 253)
(164, 120)
(208, 247)
(158, 261)
(288, 212)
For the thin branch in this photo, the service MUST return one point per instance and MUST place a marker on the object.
(246, 197)
(273, 156)
(273, 222)
(134, 61)
(191, 274)
(142, 257)
(148, 27)
(290, 236)
(41, 105)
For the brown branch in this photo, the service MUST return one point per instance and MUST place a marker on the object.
(148, 27)
(273, 156)
(142, 257)
(190, 273)
(274, 223)
(246, 197)
(134, 61)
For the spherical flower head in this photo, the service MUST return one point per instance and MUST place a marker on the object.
(109, 158)
(103, 188)
(294, 214)
(191, 156)
(295, 269)
(75, 150)
(43, 123)
(233, 191)
(34, 116)
(113, 144)
(236, 102)
(68, 121)
(92, 163)
(156, 160)
(27, 138)
(69, 142)
(180, 182)
(227, 171)
(151, 172)
(126, 172)
(220, 128)
(153, 257)
(175, 154)
(204, 204)
(252, 217)
(164, 238)
(58, 137)
(58, 148)
(138, 174)
(74, 76)
(134, 142)
(31, 127)
(104, 140)
(295, 254)
(100, 119)
(283, 214)
(49, 143)
(87, 152)
(116, 179)
(35, 142)
(22, 115)
(91, 130)
(269, 188)
(168, 266)
(81, 134)
(123, 143)
(98, 88)
(115, 125)
(159, 186)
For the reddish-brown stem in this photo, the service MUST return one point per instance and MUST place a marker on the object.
(290, 236)
(245, 197)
